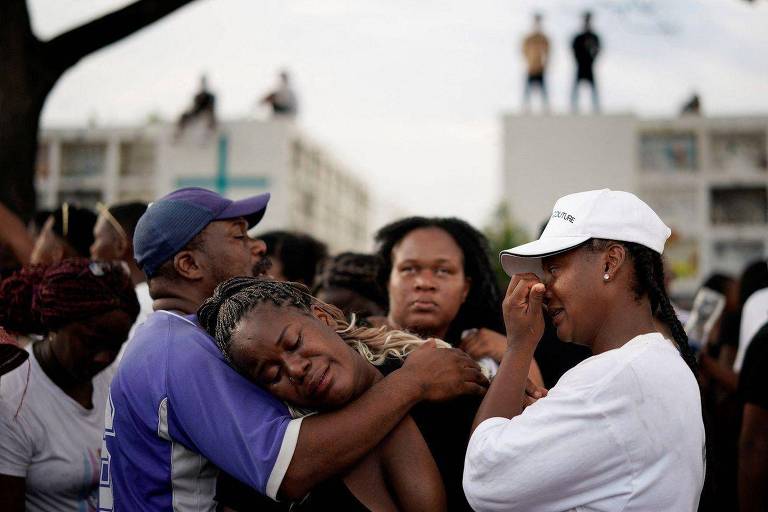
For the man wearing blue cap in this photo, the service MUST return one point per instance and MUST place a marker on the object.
(177, 412)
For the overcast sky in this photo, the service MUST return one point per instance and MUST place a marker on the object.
(408, 93)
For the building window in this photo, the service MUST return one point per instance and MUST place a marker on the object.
(739, 205)
(739, 151)
(670, 152)
(83, 158)
(137, 158)
(672, 204)
(732, 256)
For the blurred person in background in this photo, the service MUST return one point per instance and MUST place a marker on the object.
(724, 337)
(721, 381)
(753, 439)
(440, 284)
(536, 53)
(52, 407)
(692, 106)
(586, 47)
(203, 107)
(113, 241)
(349, 281)
(50, 237)
(721, 408)
(16, 241)
(9, 262)
(753, 279)
(294, 256)
(753, 296)
(282, 99)
(67, 233)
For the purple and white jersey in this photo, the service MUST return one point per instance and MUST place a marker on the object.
(177, 412)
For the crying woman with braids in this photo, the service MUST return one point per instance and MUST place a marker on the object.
(623, 429)
(308, 354)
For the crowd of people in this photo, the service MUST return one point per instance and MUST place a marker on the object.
(162, 357)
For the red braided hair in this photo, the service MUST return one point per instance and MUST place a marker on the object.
(39, 299)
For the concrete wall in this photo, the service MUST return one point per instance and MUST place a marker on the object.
(260, 157)
(547, 157)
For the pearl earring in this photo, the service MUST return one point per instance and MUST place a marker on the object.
(606, 276)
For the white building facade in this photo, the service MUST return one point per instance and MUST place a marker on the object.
(706, 177)
(311, 191)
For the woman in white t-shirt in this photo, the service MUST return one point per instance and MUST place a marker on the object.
(623, 429)
(52, 406)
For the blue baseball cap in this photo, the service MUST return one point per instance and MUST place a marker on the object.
(173, 220)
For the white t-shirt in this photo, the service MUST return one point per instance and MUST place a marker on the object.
(753, 317)
(622, 430)
(53, 442)
(145, 309)
(145, 305)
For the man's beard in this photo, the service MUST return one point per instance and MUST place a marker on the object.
(262, 266)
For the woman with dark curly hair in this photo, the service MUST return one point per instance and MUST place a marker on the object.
(294, 255)
(52, 407)
(349, 281)
(440, 283)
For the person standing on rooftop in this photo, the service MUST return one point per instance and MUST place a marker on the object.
(536, 52)
(586, 47)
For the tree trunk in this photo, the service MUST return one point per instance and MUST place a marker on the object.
(30, 69)
(19, 124)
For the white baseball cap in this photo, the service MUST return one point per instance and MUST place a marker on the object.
(607, 214)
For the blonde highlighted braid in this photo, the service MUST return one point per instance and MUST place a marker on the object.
(235, 297)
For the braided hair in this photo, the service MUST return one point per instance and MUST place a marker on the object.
(235, 297)
(298, 252)
(39, 299)
(648, 280)
(482, 307)
(352, 271)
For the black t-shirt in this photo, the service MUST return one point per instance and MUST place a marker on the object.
(753, 379)
(586, 46)
(556, 357)
(446, 427)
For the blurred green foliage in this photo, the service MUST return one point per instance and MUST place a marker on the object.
(502, 233)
